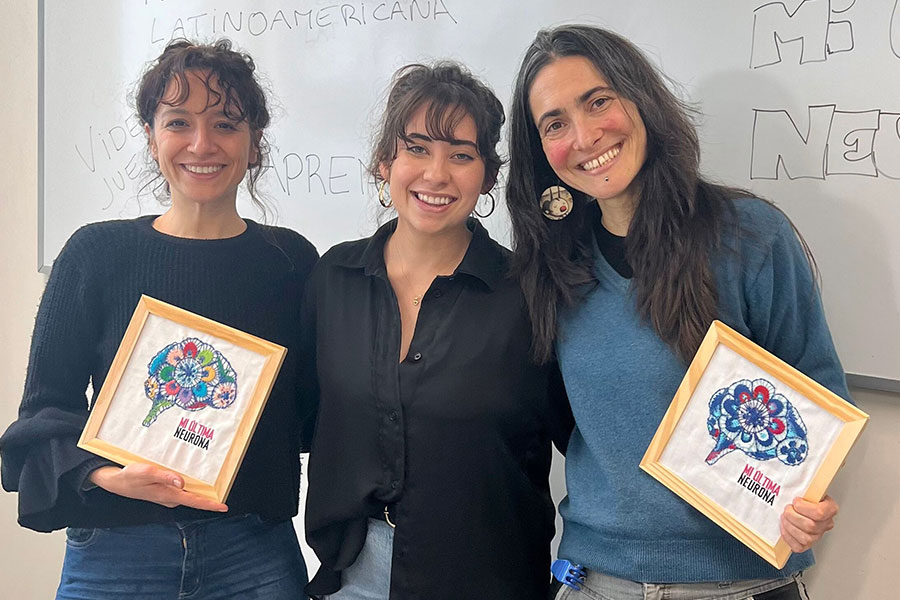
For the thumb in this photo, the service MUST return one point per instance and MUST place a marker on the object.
(174, 480)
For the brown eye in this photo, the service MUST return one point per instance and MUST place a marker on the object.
(554, 126)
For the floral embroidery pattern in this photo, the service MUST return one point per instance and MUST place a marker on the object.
(190, 374)
(752, 417)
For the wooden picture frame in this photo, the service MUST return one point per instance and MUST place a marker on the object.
(747, 500)
(200, 366)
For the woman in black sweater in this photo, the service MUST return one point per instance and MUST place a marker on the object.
(134, 532)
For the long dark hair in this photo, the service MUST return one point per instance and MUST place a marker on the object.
(233, 72)
(677, 220)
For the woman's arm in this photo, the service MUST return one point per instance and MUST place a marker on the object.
(787, 318)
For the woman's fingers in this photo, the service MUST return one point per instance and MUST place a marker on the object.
(143, 481)
(803, 523)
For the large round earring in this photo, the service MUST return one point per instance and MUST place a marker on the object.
(490, 212)
(381, 195)
(556, 202)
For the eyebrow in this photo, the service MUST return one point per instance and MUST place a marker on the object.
(451, 141)
(177, 110)
(579, 100)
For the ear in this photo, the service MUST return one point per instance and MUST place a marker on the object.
(385, 170)
(151, 142)
(490, 180)
(253, 159)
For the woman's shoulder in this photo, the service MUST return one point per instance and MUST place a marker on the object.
(355, 253)
(757, 214)
(104, 234)
(289, 239)
(756, 224)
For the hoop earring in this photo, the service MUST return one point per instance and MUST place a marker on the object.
(556, 203)
(381, 195)
(490, 212)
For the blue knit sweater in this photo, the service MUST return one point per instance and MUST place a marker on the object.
(621, 377)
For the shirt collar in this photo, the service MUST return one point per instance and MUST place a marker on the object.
(485, 259)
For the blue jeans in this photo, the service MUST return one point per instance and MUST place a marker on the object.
(598, 586)
(369, 577)
(243, 556)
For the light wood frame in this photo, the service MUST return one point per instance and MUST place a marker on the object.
(854, 421)
(273, 357)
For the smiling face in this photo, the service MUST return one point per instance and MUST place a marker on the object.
(593, 138)
(202, 153)
(435, 183)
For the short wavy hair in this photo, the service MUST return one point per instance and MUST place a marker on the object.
(223, 68)
(451, 92)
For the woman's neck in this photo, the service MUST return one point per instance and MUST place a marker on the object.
(200, 221)
(422, 256)
(616, 215)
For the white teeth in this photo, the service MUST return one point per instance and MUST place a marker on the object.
(434, 200)
(202, 169)
(602, 159)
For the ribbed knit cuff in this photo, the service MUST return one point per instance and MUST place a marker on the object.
(79, 476)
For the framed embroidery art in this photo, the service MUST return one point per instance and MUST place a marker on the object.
(746, 434)
(184, 393)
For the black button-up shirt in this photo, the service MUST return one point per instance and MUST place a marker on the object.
(456, 438)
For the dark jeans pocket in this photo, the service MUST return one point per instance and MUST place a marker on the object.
(79, 537)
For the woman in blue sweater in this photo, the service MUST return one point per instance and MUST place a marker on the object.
(623, 291)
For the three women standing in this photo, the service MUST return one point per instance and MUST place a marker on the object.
(424, 345)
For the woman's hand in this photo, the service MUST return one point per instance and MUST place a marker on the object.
(803, 523)
(147, 482)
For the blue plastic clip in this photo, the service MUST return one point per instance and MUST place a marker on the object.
(568, 574)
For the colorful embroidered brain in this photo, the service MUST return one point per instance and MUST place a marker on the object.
(752, 417)
(190, 374)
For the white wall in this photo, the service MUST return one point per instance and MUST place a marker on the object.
(29, 562)
(857, 560)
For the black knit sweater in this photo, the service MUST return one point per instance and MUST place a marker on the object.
(253, 282)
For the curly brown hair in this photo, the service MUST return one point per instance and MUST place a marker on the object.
(230, 79)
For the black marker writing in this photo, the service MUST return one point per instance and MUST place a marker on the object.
(813, 26)
(832, 142)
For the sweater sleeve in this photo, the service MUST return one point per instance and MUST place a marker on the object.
(786, 314)
(40, 459)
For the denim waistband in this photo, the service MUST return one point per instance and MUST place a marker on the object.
(606, 587)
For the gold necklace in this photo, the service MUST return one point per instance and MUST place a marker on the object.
(418, 299)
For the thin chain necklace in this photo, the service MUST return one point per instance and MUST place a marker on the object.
(416, 300)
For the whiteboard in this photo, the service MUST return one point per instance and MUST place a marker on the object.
(801, 103)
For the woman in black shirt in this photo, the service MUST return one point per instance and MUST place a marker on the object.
(429, 470)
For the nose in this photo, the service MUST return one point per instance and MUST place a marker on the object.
(586, 133)
(202, 141)
(436, 171)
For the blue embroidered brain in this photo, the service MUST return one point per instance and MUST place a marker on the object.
(752, 417)
(190, 374)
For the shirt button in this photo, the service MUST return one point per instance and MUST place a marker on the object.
(395, 484)
(417, 356)
(393, 416)
(436, 293)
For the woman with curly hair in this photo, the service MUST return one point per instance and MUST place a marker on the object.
(134, 532)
